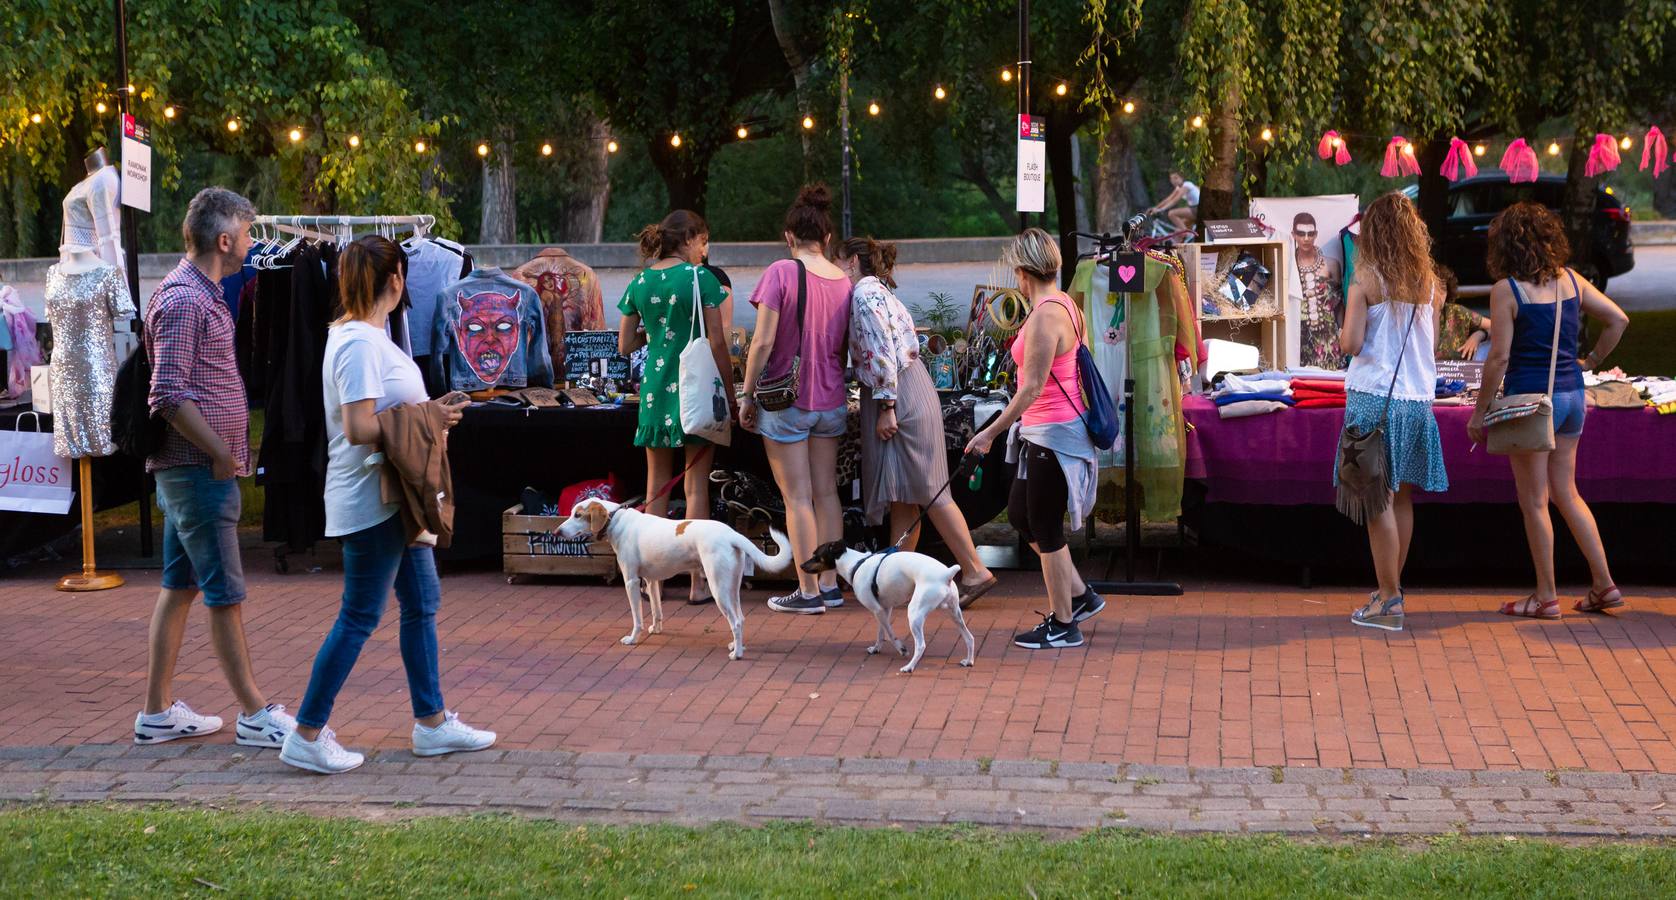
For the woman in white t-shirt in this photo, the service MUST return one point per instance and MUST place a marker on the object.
(364, 374)
(1185, 192)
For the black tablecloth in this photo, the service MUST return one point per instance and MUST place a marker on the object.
(495, 453)
(116, 480)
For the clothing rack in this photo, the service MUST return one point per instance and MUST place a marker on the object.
(1105, 245)
(343, 228)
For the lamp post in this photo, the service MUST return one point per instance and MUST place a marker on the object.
(1024, 81)
(130, 233)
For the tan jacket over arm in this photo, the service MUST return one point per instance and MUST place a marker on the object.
(416, 473)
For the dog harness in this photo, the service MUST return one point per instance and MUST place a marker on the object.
(882, 555)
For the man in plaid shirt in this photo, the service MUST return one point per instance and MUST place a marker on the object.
(195, 386)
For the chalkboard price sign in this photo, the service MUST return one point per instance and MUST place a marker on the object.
(581, 348)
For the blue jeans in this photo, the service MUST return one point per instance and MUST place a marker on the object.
(374, 560)
(201, 534)
(1570, 409)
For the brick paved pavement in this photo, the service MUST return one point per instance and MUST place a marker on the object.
(1232, 675)
(693, 789)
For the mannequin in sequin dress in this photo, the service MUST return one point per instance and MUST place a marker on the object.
(1318, 280)
(86, 301)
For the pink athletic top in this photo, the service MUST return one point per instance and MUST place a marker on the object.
(1054, 406)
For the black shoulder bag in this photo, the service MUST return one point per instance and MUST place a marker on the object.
(780, 393)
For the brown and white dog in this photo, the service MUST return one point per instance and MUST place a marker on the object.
(651, 549)
(884, 581)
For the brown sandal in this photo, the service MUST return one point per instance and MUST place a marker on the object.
(969, 595)
(1529, 608)
(1600, 601)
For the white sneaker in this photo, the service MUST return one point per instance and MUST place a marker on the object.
(178, 721)
(324, 754)
(451, 736)
(266, 728)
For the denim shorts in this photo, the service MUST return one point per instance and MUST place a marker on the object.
(790, 425)
(1569, 410)
(201, 534)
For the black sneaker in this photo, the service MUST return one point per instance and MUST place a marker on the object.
(1050, 635)
(797, 604)
(832, 597)
(1087, 606)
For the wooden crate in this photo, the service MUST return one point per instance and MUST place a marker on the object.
(530, 546)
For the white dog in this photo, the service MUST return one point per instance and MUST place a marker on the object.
(651, 549)
(884, 581)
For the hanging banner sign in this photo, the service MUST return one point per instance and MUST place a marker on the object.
(136, 164)
(1032, 165)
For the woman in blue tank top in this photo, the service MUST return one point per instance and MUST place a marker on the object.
(1528, 251)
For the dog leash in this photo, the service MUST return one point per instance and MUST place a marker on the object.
(967, 462)
(670, 485)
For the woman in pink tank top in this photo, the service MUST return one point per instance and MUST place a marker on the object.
(1056, 469)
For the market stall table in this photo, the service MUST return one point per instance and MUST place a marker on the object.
(1266, 486)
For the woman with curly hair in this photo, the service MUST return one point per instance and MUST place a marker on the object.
(1527, 254)
(1390, 323)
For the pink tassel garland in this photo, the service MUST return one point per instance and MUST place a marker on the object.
(1399, 159)
(1458, 163)
(1654, 150)
(1333, 147)
(1603, 156)
(1519, 162)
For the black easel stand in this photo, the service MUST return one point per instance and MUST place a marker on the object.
(1131, 488)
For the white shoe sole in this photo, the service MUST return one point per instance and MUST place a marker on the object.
(1087, 614)
(444, 751)
(1366, 624)
(1051, 645)
(813, 611)
(311, 767)
(174, 736)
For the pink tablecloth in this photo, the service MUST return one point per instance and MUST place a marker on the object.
(1286, 458)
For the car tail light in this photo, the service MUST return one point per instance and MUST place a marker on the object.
(1617, 213)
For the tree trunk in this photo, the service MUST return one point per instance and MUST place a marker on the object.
(1114, 196)
(685, 171)
(972, 169)
(1062, 172)
(584, 214)
(500, 193)
(1434, 189)
(1082, 194)
(1216, 200)
(1578, 207)
(318, 200)
(799, 65)
(1256, 166)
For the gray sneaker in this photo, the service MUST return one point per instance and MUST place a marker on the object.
(832, 597)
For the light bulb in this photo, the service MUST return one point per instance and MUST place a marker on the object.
(1408, 149)
(1337, 143)
(1062, 89)
(168, 112)
(232, 124)
(1553, 148)
(1609, 189)
(610, 146)
(546, 149)
(1626, 143)
(1268, 134)
(1006, 74)
(808, 123)
(35, 117)
(1480, 150)
(100, 108)
(354, 140)
(1198, 121)
(483, 150)
(873, 108)
(295, 135)
(674, 140)
(939, 93)
(418, 146)
(1128, 107)
(743, 132)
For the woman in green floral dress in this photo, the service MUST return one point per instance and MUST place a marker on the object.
(657, 311)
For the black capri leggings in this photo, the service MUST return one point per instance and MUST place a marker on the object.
(1038, 504)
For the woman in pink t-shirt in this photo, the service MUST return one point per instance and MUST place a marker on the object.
(802, 439)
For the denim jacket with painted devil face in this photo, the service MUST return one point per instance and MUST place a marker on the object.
(489, 333)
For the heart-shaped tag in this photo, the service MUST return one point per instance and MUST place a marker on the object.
(1127, 273)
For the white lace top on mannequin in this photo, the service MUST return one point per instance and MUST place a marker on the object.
(92, 218)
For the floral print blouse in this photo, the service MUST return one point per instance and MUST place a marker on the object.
(882, 337)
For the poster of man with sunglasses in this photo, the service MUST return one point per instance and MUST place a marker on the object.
(1315, 292)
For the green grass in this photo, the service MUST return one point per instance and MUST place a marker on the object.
(102, 851)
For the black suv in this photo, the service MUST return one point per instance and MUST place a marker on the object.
(1473, 202)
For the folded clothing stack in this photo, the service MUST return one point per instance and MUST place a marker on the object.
(1318, 393)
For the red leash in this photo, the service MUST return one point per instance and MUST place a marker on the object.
(697, 457)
